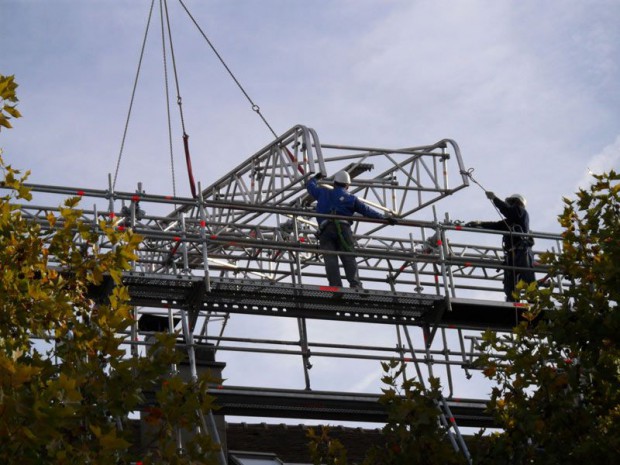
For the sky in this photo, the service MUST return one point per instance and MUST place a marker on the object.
(529, 90)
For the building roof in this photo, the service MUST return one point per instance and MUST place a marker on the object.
(289, 443)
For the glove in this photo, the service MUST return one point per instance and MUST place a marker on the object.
(318, 176)
(391, 220)
(490, 195)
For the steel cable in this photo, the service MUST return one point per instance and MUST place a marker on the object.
(255, 107)
(133, 94)
(163, 44)
(188, 161)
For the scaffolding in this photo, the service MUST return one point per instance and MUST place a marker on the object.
(246, 245)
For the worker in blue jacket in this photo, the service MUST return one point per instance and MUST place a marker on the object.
(335, 235)
(518, 255)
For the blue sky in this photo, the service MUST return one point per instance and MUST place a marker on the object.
(530, 90)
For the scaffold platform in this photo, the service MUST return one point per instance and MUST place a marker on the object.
(243, 296)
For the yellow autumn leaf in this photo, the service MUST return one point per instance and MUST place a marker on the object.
(72, 201)
(95, 429)
(69, 386)
(112, 441)
(4, 122)
(11, 110)
(35, 292)
(23, 374)
(51, 219)
(28, 433)
(6, 365)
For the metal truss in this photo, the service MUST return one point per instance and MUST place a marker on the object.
(402, 181)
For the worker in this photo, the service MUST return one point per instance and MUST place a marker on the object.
(518, 255)
(334, 234)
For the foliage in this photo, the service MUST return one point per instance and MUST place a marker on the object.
(325, 450)
(8, 101)
(67, 384)
(558, 394)
(413, 433)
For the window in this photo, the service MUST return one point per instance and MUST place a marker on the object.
(253, 458)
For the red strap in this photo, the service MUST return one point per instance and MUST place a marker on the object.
(292, 157)
(188, 160)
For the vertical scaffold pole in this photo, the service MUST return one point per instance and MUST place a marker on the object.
(413, 355)
(301, 322)
(191, 353)
(173, 367)
(184, 244)
(441, 240)
(446, 253)
(414, 263)
(203, 236)
(466, 360)
(111, 196)
(297, 259)
(454, 433)
(134, 325)
(400, 346)
(305, 350)
(447, 359)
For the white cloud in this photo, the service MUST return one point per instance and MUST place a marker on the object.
(606, 160)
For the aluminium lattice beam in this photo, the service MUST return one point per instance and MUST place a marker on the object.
(401, 181)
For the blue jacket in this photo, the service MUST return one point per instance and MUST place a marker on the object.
(338, 201)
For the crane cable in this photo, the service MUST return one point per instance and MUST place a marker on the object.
(255, 107)
(163, 43)
(188, 161)
(133, 94)
(179, 100)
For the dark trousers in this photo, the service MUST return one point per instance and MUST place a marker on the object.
(520, 257)
(331, 239)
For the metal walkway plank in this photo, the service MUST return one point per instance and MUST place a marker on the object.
(242, 296)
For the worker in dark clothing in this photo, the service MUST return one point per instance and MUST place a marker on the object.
(336, 235)
(517, 248)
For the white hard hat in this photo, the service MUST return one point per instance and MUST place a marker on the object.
(520, 198)
(342, 177)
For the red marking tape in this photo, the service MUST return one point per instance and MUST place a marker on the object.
(329, 288)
